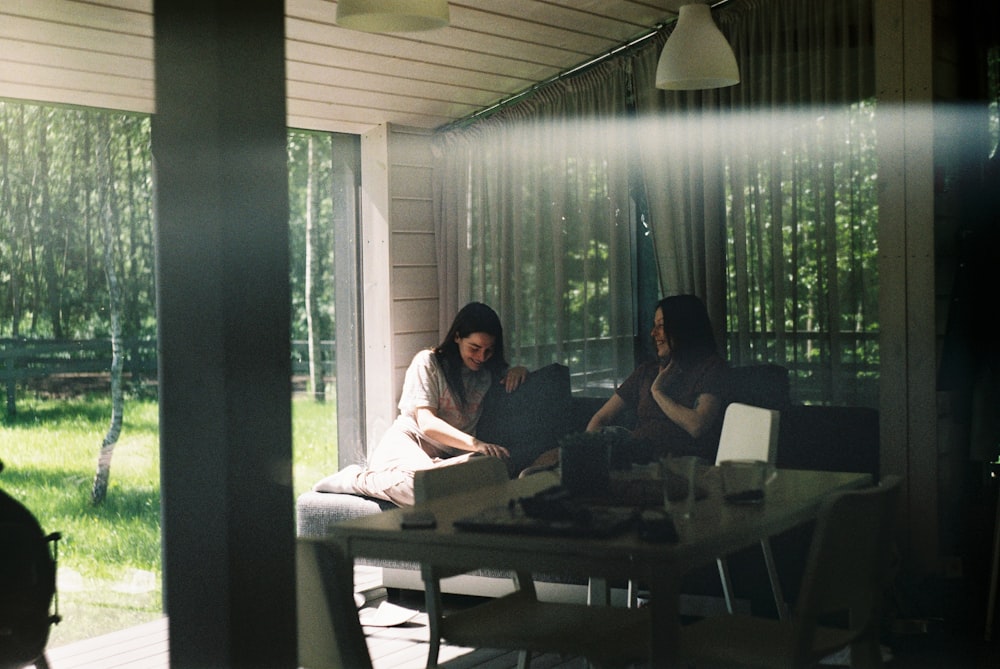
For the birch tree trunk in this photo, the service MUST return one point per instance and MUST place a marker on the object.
(16, 198)
(314, 274)
(10, 230)
(48, 230)
(108, 226)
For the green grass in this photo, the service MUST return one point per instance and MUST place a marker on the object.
(109, 555)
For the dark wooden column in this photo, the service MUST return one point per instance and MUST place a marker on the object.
(219, 139)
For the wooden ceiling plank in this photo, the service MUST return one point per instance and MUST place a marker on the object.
(345, 81)
(60, 78)
(542, 21)
(410, 50)
(312, 123)
(324, 52)
(74, 37)
(560, 49)
(328, 64)
(85, 14)
(359, 114)
(32, 53)
(646, 13)
(145, 6)
(75, 97)
(384, 101)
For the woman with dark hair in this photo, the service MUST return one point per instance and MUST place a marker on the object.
(439, 408)
(677, 398)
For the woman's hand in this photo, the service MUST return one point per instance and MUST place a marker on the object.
(440, 430)
(693, 421)
(514, 377)
(486, 448)
(659, 383)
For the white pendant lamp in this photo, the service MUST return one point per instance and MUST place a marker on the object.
(392, 16)
(696, 54)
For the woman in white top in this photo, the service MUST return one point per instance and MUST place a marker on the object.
(439, 408)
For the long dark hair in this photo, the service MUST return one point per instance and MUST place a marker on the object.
(473, 317)
(687, 328)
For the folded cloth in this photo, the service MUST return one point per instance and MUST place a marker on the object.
(342, 481)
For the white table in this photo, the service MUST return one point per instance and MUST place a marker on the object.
(717, 528)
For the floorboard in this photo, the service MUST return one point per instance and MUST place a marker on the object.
(401, 647)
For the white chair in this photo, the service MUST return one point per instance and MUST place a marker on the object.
(846, 576)
(751, 433)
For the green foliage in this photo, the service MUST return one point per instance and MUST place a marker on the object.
(51, 250)
(110, 555)
(50, 231)
(300, 163)
(802, 253)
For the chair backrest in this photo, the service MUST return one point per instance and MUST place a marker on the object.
(330, 634)
(749, 433)
(849, 561)
(27, 584)
(449, 479)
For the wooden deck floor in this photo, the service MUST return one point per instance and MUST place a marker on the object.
(405, 646)
(402, 647)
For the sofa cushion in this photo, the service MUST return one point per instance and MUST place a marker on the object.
(530, 420)
(315, 511)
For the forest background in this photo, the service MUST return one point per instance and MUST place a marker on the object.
(77, 254)
(76, 204)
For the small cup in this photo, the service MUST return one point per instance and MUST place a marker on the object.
(743, 480)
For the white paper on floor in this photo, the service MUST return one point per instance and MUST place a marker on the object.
(386, 615)
(842, 658)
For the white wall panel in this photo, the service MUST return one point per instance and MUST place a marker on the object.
(415, 282)
(413, 214)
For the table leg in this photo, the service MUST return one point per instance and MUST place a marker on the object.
(598, 591)
(664, 596)
(994, 576)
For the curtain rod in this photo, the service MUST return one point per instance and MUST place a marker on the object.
(576, 69)
(531, 90)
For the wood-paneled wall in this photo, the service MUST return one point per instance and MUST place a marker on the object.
(399, 265)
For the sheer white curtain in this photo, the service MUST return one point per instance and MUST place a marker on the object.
(762, 195)
(759, 198)
(535, 219)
